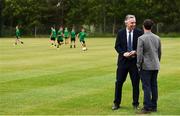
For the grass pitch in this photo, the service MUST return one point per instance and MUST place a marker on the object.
(38, 79)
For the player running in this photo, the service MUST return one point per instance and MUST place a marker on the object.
(81, 37)
(18, 36)
(60, 37)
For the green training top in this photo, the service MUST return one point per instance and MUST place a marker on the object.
(17, 32)
(66, 33)
(60, 35)
(53, 32)
(82, 35)
(73, 34)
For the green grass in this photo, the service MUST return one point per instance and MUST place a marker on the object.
(38, 79)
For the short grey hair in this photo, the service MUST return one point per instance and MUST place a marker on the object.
(129, 16)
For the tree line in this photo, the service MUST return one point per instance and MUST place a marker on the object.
(105, 15)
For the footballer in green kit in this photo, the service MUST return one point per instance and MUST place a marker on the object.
(66, 35)
(53, 36)
(81, 37)
(73, 38)
(60, 37)
(18, 36)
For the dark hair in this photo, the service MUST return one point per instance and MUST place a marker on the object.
(148, 23)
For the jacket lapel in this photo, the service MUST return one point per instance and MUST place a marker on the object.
(125, 39)
(134, 38)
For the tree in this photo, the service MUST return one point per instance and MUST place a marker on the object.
(105, 15)
(1, 18)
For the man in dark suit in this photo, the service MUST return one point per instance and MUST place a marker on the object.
(126, 44)
(148, 63)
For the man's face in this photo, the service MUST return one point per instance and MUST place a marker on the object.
(131, 23)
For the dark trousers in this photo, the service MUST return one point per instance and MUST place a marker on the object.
(121, 75)
(149, 85)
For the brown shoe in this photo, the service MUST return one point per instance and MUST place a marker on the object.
(144, 111)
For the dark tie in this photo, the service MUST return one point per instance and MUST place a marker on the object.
(129, 42)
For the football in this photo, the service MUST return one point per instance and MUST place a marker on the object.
(84, 48)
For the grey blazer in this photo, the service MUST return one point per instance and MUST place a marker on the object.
(148, 52)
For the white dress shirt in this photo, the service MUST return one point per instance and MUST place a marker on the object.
(127, 33)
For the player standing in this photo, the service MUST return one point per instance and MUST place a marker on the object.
(53, 36)
(73, 38)
(66, 35)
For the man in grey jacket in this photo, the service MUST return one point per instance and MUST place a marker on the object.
(148, 63)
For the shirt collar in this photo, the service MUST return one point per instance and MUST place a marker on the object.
(127, 30)
(148, 32)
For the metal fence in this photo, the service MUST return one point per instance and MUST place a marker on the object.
(92, 30)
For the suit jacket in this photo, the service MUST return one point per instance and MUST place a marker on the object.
(121, 46)
(149, 52)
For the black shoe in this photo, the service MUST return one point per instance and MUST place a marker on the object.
(115, 107)
(153, 109)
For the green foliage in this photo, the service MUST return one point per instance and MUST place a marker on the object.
(107, 15)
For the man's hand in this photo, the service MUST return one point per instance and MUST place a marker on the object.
(126, 54)
(132, 54)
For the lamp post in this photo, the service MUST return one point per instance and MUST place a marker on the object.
(60, 6)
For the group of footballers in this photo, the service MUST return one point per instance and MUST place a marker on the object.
(65, 37)
(57, 38)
